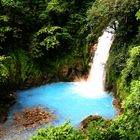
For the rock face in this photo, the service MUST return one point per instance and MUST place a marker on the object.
(67, 72)
(64, 71)
(91, 50)
(79, 67)
(84, 123)
(117, 104)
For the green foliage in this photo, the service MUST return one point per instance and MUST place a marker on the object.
(9, 2)
(44, 30)
(97, 128)
(4, 28)
(104, 13)
(98, 18)
(48, 37)
(126, 126)
(130, 72)
(57, 6)
(116, 61)
(21, 67)
(4, 73)
(137, 39)
(127, 36)
(62, 132)
(138, 14)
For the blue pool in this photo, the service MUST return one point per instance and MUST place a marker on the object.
(66, 102)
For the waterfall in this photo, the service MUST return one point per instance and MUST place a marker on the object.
(97, 72)
(94, 86)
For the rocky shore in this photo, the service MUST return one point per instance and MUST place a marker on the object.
(32, 117)
(28, 119)
(66, 73)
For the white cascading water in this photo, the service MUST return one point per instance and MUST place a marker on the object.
(97, 73)
(94, 86)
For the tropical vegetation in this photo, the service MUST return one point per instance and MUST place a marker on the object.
(38, 37)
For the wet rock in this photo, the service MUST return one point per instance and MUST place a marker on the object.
(91, 50)
(64, 71)
(117, 104)
(84, 123)
(79, 67)
(32, 117)
(85, 77)
(73, 76)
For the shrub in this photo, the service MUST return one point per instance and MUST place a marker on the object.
(62, 132)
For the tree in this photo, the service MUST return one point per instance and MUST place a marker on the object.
(47, 38)
(130, 72)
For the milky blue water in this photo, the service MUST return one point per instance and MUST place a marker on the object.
(65, 102)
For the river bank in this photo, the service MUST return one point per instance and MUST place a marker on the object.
(28, 119)
(8, 92)
(66, 74)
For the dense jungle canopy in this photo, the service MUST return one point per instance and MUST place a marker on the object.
(39, 37)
